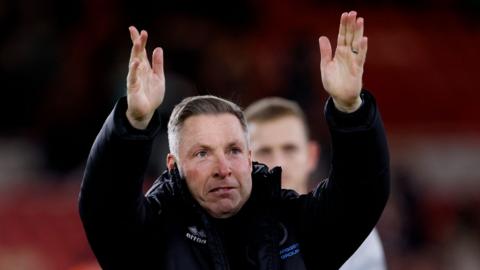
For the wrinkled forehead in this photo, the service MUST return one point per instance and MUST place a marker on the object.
(212, 129)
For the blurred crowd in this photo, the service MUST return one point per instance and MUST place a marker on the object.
(63, 65)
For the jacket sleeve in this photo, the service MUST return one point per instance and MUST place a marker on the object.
(342, 210)
(112, 206)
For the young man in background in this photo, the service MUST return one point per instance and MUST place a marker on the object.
(280, 136)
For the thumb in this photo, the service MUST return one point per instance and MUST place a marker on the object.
(132, 74)
(157, 61)
(325, 51)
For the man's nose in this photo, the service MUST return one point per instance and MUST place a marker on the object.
(278, 160)
(222, 169)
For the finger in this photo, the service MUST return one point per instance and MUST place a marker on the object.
(350, 25)
(143, 39)
(138, 50)
(157, 61)
(362, 52)
(358, 36)
(132, 73)
(133, 33)
(325, 51)
(342, 30)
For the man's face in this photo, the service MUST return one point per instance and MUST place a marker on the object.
(283, 142)
(215, 160)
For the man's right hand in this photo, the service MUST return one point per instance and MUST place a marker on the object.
(145, 82)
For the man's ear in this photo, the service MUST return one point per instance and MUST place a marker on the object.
(250, 158)
(313, 155)
(170, 161)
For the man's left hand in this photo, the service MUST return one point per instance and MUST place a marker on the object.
(342, 74)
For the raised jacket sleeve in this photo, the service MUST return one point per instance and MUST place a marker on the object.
(112, 206)
(341, 211)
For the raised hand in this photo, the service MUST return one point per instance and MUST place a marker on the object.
(145, 83)
(342, 74)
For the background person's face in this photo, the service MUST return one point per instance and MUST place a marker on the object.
(283, 142)
(216, 163)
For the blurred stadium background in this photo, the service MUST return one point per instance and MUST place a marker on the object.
(63, 65)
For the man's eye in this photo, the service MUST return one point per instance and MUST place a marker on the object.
(290, 149)
(263, 152)
(201, 154)
(236, 151)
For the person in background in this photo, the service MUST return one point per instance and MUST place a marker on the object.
(280, 136)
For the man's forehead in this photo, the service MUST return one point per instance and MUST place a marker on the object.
(204, 120)
(278, 127)
(212, 128)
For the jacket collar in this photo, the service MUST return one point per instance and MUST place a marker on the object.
(266, 186)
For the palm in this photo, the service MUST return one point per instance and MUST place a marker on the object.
(146, 94)
(342, 74)
(145, 82)
(342, 77)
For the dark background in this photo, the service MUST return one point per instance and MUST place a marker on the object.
(63, 65)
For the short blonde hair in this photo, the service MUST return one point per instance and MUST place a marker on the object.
(273, 108)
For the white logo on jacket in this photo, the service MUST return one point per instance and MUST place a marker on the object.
(196, 235)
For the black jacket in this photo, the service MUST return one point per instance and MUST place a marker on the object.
(276, 229)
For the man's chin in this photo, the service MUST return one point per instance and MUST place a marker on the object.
(223, 215)
(224, 209)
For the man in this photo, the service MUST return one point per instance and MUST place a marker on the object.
(280, 137)
(214, 208)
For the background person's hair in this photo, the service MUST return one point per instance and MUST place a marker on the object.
(273, 108)
(200, 105)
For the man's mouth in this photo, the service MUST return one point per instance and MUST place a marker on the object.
(220, 190)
